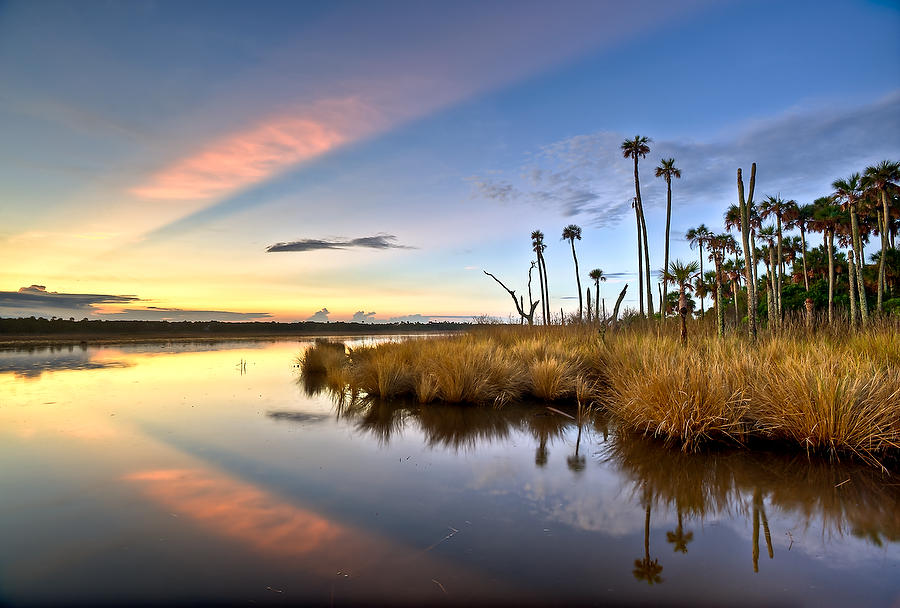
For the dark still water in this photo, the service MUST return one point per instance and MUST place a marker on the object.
(210, 473)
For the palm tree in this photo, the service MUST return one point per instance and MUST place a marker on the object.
(637, 148)
(848, 192)
(698, 237)
(769, 234)
(800, 216)
(719, 244)
(777, 206)
(882, 178)
(704, 286)
(733, 270)
(596, 275)
(667, 170)
(746, 207)
(537, 244)
(570, 233)
(827, 218)
(681, 274)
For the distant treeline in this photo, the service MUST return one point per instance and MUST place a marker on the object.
(39, 326)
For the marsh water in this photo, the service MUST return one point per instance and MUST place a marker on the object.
(203, 472)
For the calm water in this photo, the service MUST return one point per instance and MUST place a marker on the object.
(174, 473)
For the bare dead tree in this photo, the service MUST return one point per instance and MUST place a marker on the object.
(530, 315)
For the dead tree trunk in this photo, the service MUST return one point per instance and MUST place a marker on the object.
(530, 315)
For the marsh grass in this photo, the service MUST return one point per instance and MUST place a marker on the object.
(824, 390)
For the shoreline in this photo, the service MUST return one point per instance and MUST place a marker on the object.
(47, 340)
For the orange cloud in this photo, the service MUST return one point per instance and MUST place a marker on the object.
(244, 158)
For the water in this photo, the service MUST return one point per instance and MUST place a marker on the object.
(191, 472)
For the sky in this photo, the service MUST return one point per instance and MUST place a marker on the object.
(367, 160)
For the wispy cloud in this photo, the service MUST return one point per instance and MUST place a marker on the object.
(247, 157)
(798, 154)
(156, 313)
(35, 300)
(379, 241)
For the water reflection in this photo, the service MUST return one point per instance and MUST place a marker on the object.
(180, 469)
(839, 497)
(29, 363)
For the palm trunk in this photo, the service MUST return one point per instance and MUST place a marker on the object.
(720, 312)
(773, 285)
(829, 244)
(755, 259)
(885, 226)
(643, 223)
(637, 216)
(540, 268)
(749, 263)
(803, 241)
(702, 309)
(578, 281)
(860, 263)
(852, 281)
(779, 285)
(546, 288)
(665, 293)
(597, 303)
(589, 306)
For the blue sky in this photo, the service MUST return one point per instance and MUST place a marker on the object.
(153, 151)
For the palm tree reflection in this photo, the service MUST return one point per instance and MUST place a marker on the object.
(679, 538)
(647, 569)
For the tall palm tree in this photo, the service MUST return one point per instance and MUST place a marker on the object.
(827, 218)
(719, 245)
(704, 285)
(682, 274)
(733, 270)
(848, 192)
(596, 275)
(638, 148)
(537, 244)
(640, 252)
(800, 217)
(667, 170)
(746, 206)
(697, 237)
(882, 178)
(769, 234)
(776, 206)
(571, 233)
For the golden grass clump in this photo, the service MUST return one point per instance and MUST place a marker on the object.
(828, 400)
(827, 391)
(685, 396)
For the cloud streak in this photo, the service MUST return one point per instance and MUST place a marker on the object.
(36, 297)
(248, 157)
(379, 241)
(156, 313)
(35, 300)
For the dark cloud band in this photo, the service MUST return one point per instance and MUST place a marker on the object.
(378, 241)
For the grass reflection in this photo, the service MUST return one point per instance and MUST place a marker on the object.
(841, 497)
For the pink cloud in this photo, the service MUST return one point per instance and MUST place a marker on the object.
(251, 156)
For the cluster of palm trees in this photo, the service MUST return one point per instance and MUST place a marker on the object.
(860, 206)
